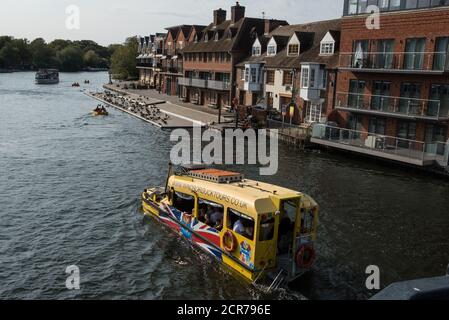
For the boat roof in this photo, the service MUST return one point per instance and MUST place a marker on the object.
(48, 70)
(246, 196)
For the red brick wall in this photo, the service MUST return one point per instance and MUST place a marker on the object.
(429, 24)
(400, 26)
(216, 66)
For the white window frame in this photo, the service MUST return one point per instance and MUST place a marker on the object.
(272, 50)
(253, 75)
(290, 53)
(257, 50)
(327, 48)
(305, 73)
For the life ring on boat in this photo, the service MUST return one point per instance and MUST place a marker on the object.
(229, 242)
(305, 257)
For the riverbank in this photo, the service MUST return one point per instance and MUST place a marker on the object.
(181, 115)
(297, 136)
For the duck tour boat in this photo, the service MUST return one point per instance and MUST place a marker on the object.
(259, 230)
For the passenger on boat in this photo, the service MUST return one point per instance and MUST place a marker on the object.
(202, 214)
(239, 227)
(285, 235)
(215, 218)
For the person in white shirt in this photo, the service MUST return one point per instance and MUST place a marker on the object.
(239, 227)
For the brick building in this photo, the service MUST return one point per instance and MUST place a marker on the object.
(209, 60)
(172, 61)
(292, 65)
(393, 82)
(149, 62)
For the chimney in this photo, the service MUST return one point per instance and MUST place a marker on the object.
(237, 12)
(219, 16)
(271, 24)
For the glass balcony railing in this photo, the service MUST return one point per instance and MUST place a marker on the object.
(395, 106)
(393, 148)
(202, 83)
(435, 62)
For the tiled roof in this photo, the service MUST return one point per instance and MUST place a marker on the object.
(241, 39)
(310, 36)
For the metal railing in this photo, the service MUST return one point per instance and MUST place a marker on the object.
(202, 83)
(408, 107)
(406, 61)
(199, 83)
(218, 85)
(287, 129)
(388, 145)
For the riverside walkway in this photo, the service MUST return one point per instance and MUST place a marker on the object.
(171, 106)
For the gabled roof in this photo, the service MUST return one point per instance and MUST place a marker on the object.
(198, 29)
(281, 41)
(241, 40)
(310, 36)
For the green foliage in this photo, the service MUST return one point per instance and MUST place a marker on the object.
(123, 60)
(66, 55)
(91, 59)
(43, 56)
(71, 58)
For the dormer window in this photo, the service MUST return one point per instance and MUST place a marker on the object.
(257, 51)
(293, 50)
(206, 37)
(271, 50)
(196, 38)
(327, 48)
(217, 36)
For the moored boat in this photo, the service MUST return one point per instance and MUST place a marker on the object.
(259, 230)
(47, 76)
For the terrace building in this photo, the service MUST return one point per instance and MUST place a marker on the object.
(393, 83)
(172, 61)
(292, 66)
(149, 62)
(210, 59)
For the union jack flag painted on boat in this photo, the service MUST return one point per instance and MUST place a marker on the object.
(204, 236)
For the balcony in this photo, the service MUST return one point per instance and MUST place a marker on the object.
(252, 86)
(399, 107)
(395, 62)
(201, 83)
(218, 85)
(386, 147)
(144, 65)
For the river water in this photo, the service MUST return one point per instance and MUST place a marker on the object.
(69, 195)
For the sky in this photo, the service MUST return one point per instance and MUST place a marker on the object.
(112, 21)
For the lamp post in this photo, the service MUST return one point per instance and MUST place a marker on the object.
(293, 104)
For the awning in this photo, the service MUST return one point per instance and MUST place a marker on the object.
(140, 56)
(174, 58)
(163, 57)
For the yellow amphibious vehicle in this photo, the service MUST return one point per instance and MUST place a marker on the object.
(259, 230)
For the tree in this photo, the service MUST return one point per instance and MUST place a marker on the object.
(123, 60)
(91, 59)
(24, 53)
(59, 44)
(71, 59)
(42, 55)
(9, 55)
